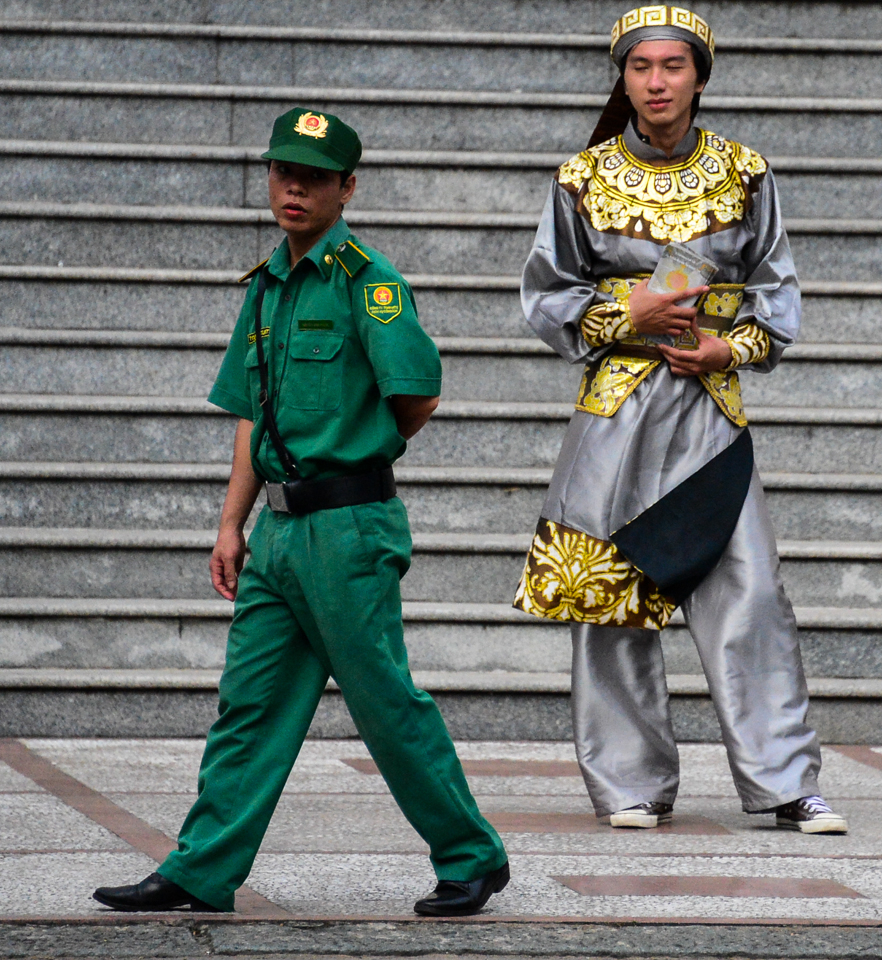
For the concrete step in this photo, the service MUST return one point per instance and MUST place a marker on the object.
(418, 119)
(208, 301)
(494, 706)
(408, 939)
(76, 172)
(418, 60)
(439, 499)
(165, 363)
(177, 430)
(161, 634)
(448, 567)
(210, 237)
(729, 18)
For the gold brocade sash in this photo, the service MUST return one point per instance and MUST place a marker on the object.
(607, 383)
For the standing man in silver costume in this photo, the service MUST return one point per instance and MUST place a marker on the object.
(655, 501)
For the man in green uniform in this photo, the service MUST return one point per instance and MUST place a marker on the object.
(330, 373)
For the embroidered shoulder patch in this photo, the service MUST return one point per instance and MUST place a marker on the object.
(383, 301)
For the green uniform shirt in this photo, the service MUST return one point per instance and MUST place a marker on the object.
(340, 335)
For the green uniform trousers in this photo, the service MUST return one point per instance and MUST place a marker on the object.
(320, 597)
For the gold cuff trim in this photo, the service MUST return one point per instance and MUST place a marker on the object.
(571, 576)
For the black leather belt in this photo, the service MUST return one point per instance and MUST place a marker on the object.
(306, 496)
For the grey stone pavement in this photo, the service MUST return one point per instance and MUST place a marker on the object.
(340, 868)
(75, 814)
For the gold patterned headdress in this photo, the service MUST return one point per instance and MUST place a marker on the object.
(649, 23)
(661, 23)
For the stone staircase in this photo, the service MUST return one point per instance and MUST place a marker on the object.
(132, 196)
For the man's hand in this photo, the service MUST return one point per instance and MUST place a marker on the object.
(228, 555)
(713, 353)
(659, 314)
(227, 560)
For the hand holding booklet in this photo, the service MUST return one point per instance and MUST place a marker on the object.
(680, 268)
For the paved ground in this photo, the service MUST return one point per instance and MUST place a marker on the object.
(78, 813)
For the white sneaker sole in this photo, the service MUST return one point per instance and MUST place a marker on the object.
(643, 821)
(825, 823)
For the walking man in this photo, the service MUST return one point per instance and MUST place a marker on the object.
(330, 373)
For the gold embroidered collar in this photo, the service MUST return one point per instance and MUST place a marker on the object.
(703, 193)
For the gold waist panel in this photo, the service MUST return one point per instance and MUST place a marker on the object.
(607, 383)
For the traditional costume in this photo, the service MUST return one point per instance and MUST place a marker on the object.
(655, 501)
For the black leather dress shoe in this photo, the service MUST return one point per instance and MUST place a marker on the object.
(154, 893)
(459, 898)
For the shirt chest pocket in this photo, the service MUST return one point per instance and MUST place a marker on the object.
(314, 378)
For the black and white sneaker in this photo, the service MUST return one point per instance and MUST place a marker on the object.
(809, 815)
(644, 816)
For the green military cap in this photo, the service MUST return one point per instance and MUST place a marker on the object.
(314, 139)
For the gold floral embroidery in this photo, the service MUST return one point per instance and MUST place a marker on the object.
(572, 576)
(620, 287)
(722, 304)
(749, 344)
(725, 388)
(575, 170)
(621, 194)
(605, 388)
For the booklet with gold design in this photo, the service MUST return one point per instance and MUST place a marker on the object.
(680, 268)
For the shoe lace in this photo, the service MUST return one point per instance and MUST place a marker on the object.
(814, 805)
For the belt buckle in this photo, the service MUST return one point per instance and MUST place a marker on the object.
(275, 497)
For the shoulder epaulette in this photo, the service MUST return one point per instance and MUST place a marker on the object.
(251, 272)
(351, 258)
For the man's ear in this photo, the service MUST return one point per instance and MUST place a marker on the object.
(348, 189)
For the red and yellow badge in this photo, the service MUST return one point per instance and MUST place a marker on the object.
(383, 301)
(310, 125)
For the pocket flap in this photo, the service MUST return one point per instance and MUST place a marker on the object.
(316, 346)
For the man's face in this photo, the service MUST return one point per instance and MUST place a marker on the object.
(661, 80)
(306, 201)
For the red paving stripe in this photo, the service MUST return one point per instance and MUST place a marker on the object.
(514, 822)
(494, 768)
(863, 755)
(708, 887)
(94, 805)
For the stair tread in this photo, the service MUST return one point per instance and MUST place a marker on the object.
(418, 281)
(513, 159)
(417, 218)
(472, 543)
(505, 475)
(432, 97)
(519, 346)
(466, 681)
(599, 41)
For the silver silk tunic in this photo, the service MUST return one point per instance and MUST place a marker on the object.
(612, 468)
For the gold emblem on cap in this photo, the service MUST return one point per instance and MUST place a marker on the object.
(312, 125)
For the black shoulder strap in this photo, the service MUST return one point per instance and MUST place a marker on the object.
(269, 419)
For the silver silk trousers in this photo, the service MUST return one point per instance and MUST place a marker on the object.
(743, 626)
